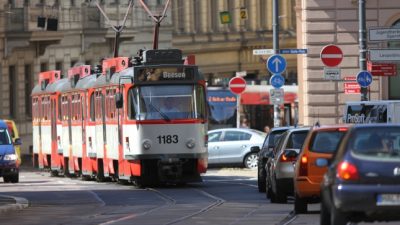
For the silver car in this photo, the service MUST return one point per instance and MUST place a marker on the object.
(279, 181)
(234, 146)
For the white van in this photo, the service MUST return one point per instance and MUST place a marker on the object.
(384, 111)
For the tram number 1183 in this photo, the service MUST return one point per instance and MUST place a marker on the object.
(167, 139)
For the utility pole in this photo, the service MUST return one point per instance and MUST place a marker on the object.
(362, 33)
(275, 43)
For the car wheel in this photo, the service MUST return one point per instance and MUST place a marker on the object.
(261, 179)
(300, 205)
(250, 161)
(325, 217)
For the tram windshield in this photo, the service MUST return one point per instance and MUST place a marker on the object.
(157, 102)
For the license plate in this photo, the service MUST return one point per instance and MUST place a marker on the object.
(388, 199)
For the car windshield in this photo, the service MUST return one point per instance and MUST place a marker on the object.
(381, 142)
(4, 137)
(326, 141)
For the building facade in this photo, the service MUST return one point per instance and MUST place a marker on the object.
(69, 32)
(320, 23)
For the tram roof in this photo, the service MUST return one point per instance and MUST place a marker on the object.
(86, 82)
(58, 85)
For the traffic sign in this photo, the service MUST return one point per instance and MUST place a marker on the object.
(277, 80)
(332, 73)
(351, 86)
(277, 96)
(382, 69)
(364, 78)
(237, 85)
(384, 33)
(384, 55)
(331, 55)
(276, 64)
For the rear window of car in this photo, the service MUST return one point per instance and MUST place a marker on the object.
(326, 141)
(296, 139)
(376, 142)
(4, 137)
(273, 136)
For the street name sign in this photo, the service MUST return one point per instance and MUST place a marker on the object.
(276, 64)
(331, 73)
(277, 96)
(382, 69)
(293, 51)
(241, 73)
(237, 85)
(364, 78)
(263, 51)
(384, 34)
(331, 55)
(384, 55)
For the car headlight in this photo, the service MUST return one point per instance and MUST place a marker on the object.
(10, 157)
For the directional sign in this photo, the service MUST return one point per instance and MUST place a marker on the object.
(364, 78)
(277, 80)
(331, 55)
(382, 69)
(276, 64)
(351, 86)
(293, 51)
(237, 85)
(384, 33)
(384, 55)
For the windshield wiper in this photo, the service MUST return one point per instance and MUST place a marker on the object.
(166, 118)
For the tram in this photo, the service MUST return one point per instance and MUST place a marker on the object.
(115, 123)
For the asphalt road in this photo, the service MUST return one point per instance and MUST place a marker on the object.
(227, 196)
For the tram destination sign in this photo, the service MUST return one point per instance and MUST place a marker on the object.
(383, 34)
(154, 74)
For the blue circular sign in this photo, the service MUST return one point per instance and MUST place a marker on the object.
(277, 81)
(364, 78)
(276, 64)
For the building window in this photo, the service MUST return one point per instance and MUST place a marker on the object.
(28, 88)
(59, 66)
(43, 67)
(12, 77)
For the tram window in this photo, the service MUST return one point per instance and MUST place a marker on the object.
(200, 102)
(59, 108)
(132, 103)
(92, 108)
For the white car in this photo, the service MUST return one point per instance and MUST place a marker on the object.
(234, 146)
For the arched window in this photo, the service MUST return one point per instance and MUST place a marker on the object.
(394, 81)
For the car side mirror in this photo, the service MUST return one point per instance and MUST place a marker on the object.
(255, 149)
(321, 162)
(18, 141)
(118, 100)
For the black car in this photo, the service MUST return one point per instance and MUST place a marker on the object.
(264, 154)
(363, 180)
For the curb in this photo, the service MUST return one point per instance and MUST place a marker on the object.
(20, 203)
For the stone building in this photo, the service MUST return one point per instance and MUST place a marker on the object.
(81, 34)
(321, 22)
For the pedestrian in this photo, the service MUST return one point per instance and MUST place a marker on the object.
(266, 129)
(244, 123)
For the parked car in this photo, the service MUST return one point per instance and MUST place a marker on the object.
(265, 152)
(279, 180)
(234, 146)
(9, 168)
(12, 129)
(321, 142)
(363, 180)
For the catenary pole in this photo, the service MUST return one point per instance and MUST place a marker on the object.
(275, 43)
(362, 44)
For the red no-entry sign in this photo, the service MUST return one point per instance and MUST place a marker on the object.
(237, 85)
(331, 55)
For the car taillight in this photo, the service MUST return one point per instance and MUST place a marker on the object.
(347, 171)
(285, 158)
(303, 169)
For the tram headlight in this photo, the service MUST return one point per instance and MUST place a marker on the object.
(146, 144)
(190, 143)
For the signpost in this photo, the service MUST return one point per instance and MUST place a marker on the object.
(364, 78)
(237, 85)
(384, 55)
(331, 55)
(293, 51)
(263, 51)
(384, 34)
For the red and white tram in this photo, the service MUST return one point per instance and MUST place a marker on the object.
(118, 124)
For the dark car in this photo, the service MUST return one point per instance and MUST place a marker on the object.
(362, 182)
(265, 153)
(9, 167)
